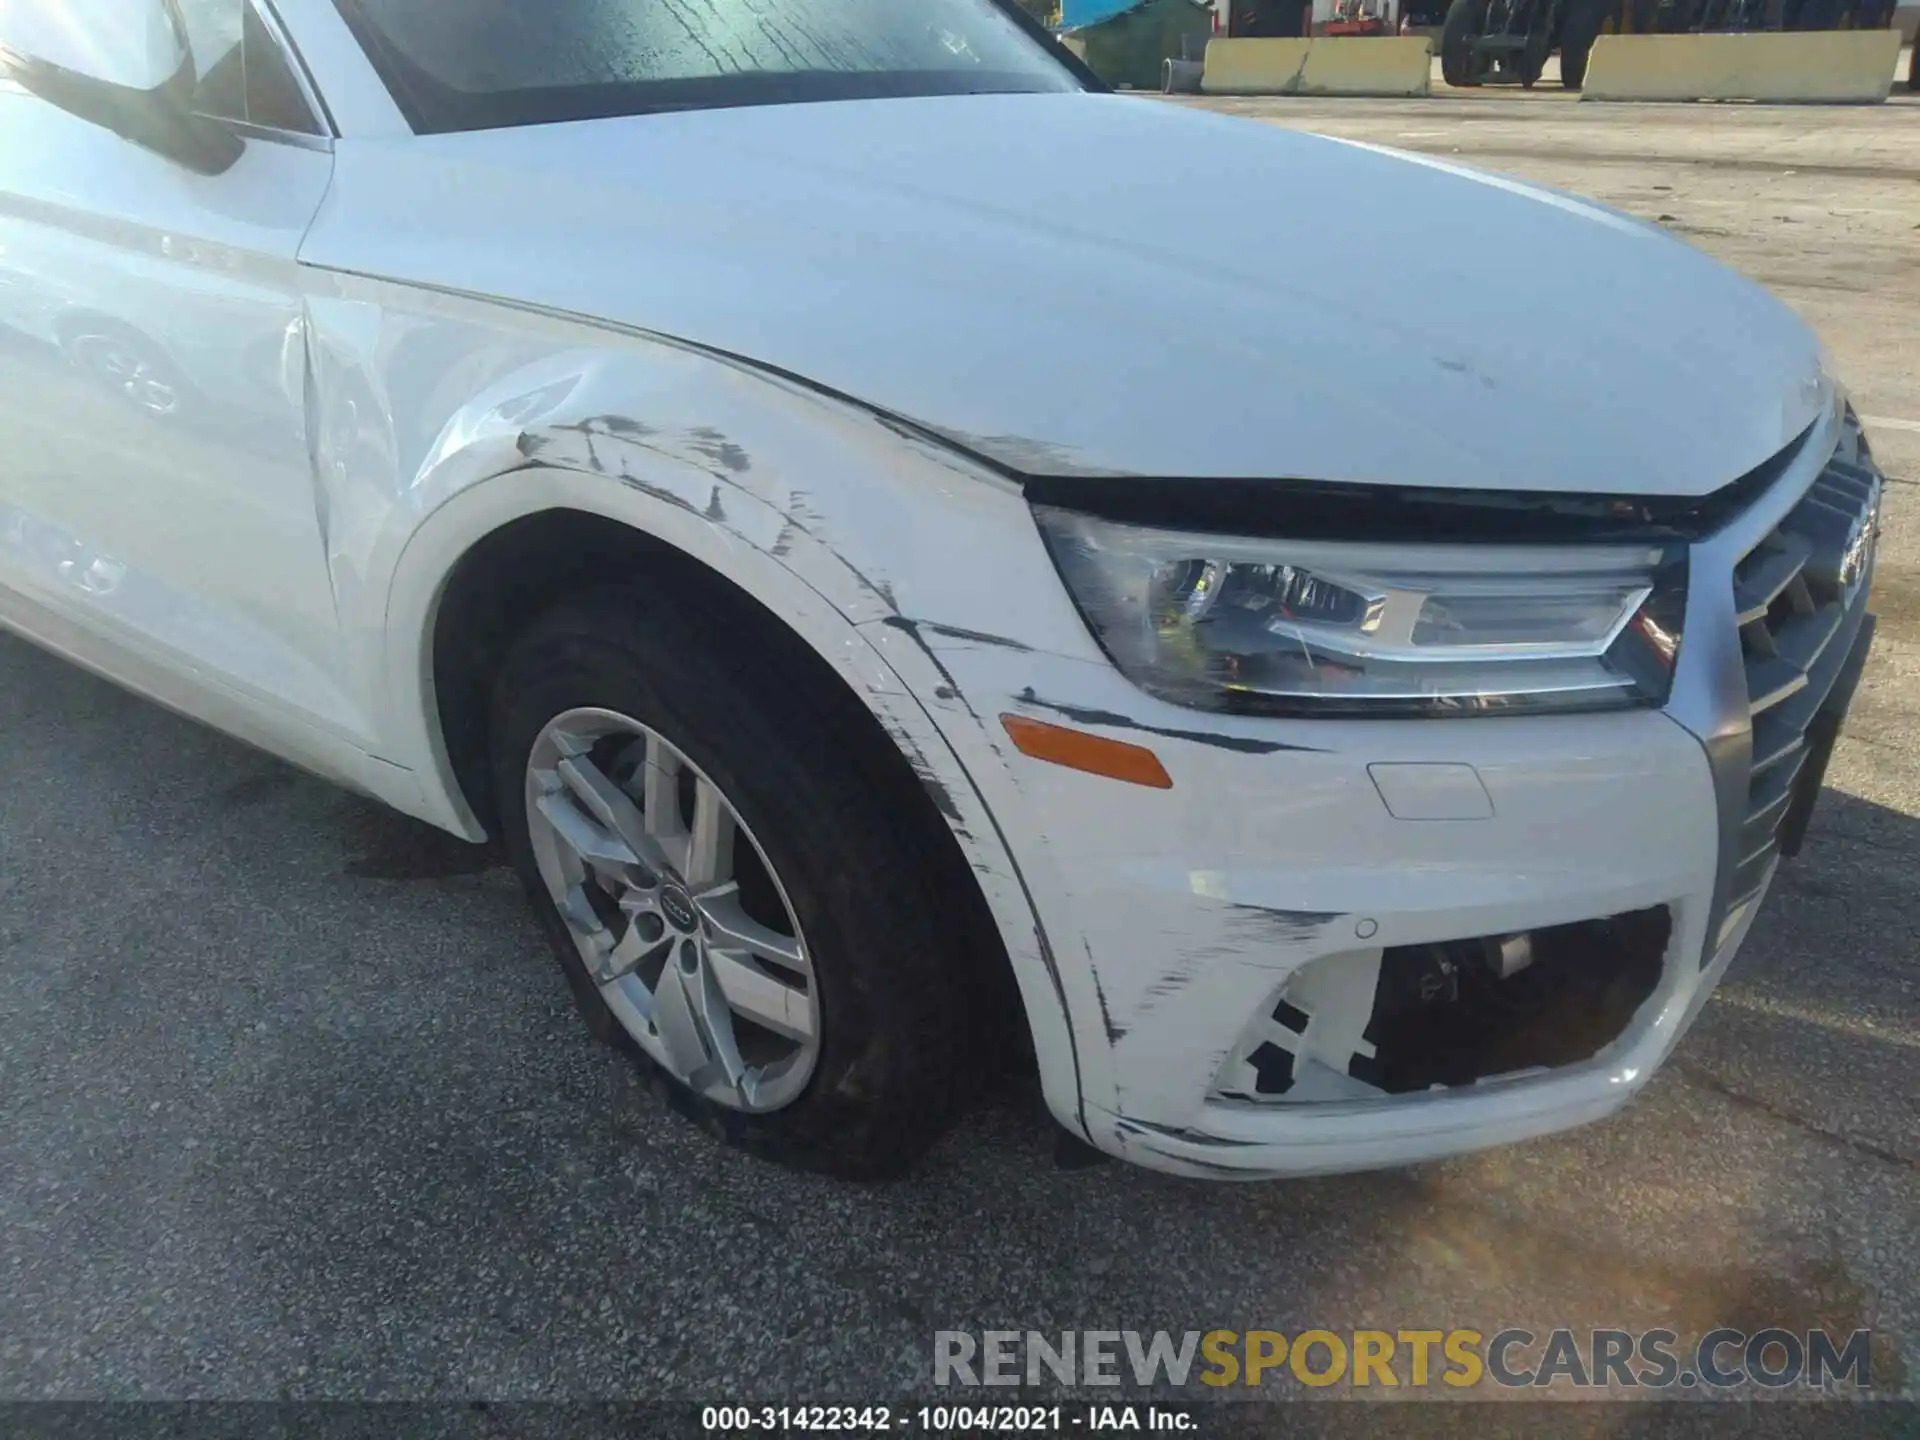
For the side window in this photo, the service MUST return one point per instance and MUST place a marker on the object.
(213, 35)
(244, 73)
(273, 94)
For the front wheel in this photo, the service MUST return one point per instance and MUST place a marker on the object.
(728, 886)
(1459, 63)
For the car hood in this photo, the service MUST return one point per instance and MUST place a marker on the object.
(1096, 285)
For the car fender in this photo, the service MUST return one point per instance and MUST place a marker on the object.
(545, 438)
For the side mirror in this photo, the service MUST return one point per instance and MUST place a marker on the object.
(131, 73)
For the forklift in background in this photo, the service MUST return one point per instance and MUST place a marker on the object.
(1493, 42)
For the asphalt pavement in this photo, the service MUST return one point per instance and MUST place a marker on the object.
(293, 1103)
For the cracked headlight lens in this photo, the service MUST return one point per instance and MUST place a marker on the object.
(1317, 628)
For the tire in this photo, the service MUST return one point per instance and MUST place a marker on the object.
(1465, 20)
(897, 1002)
(1584, 22)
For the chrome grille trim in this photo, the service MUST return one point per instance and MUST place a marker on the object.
(1799, 611)
(1712, 690)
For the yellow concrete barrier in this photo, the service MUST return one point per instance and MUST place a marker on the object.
(1330, 65)
(1828, 66)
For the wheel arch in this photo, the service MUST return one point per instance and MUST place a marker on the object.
(481, 526)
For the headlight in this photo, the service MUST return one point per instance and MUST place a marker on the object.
(1318, 628)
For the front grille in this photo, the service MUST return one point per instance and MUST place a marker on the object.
(1800, 596)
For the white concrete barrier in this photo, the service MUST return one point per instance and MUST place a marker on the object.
(1826, 66)
(1396, 65)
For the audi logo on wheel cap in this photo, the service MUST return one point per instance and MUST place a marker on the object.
(677, 906)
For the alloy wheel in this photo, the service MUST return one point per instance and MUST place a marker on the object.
(677, 915)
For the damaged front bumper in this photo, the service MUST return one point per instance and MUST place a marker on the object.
(1226, 946)
(1227, 1140)
(1205, 911)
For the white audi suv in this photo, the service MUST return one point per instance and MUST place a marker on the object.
(893, 544)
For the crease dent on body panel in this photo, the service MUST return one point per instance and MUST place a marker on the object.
(312, 422)
(1114, 720)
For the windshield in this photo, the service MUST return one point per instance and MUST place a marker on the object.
(477, 64)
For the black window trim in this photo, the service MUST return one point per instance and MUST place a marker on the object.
(302, 72)
(310, 95)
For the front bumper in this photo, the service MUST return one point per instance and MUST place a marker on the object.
(1238, 1142)
(1177, 918)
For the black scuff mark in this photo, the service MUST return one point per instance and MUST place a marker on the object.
(800, 520)
(587, 433)
(1115, 1033)
(1239, 744)
(624, 426)
(531, 445)
(1182, 1132)
(1287, 925)
(660, 492)
(1461, 367)
(715, 510)
(629, 432)
(911, 628)
(930, 780)
(1052, 966)
(945, 692)
(939, 794)
(1214, 1168)
(716, 447)
(978, 637)
(879, 589)
(1175, 980)
(1048, 961)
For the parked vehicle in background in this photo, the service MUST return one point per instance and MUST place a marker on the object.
(710, 452)
(1509, 41)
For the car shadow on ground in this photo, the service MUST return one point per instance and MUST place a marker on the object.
(315, 1117)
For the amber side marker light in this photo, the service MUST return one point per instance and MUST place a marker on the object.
(1094, 754)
